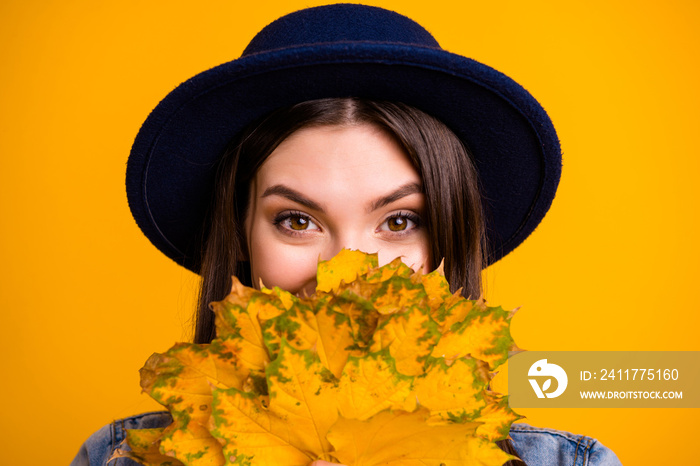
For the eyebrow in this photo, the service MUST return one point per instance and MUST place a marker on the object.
(401, 192)
(292, 195)
(296, 196)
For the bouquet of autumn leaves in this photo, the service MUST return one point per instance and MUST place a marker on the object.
(380, 366)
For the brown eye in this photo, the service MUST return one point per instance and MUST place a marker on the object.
(397, 223)
(402, 222)
(298, 223)
(294, 223)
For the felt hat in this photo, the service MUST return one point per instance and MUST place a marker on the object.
(340, 51)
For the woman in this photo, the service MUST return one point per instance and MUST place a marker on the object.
(343, 126)
(441, 206)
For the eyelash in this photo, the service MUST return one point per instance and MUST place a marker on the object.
(280, 218)
(411, 216)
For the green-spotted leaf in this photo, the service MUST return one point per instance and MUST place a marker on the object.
(406, 439)
(372, 384)
(144, 447)
(344, 267)
(382, 365)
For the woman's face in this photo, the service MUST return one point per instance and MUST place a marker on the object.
(332, 187)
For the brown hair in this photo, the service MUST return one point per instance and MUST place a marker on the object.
(454, 219)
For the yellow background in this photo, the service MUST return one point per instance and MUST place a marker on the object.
(86, 299)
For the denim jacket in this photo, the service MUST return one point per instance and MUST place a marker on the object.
(535, 445)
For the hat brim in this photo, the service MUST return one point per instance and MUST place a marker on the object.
(171, 169)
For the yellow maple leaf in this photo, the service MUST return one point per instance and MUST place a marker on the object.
(495, 419)
(436, 288)
(452, 393)
(362, 317)
(144, 447)
(483, 333)
(370, 385)
(334, 339)
(267, 437)
(406, 439)
(297, 326)
(191, 442)
(410, 337)
(398, 293)
(303, 393)
(289, 380)
(294, 419)
(395, 268)
(238, 327)
(344, 267)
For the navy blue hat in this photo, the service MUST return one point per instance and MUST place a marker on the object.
(341, 51)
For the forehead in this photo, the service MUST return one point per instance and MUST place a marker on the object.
(333, 154)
